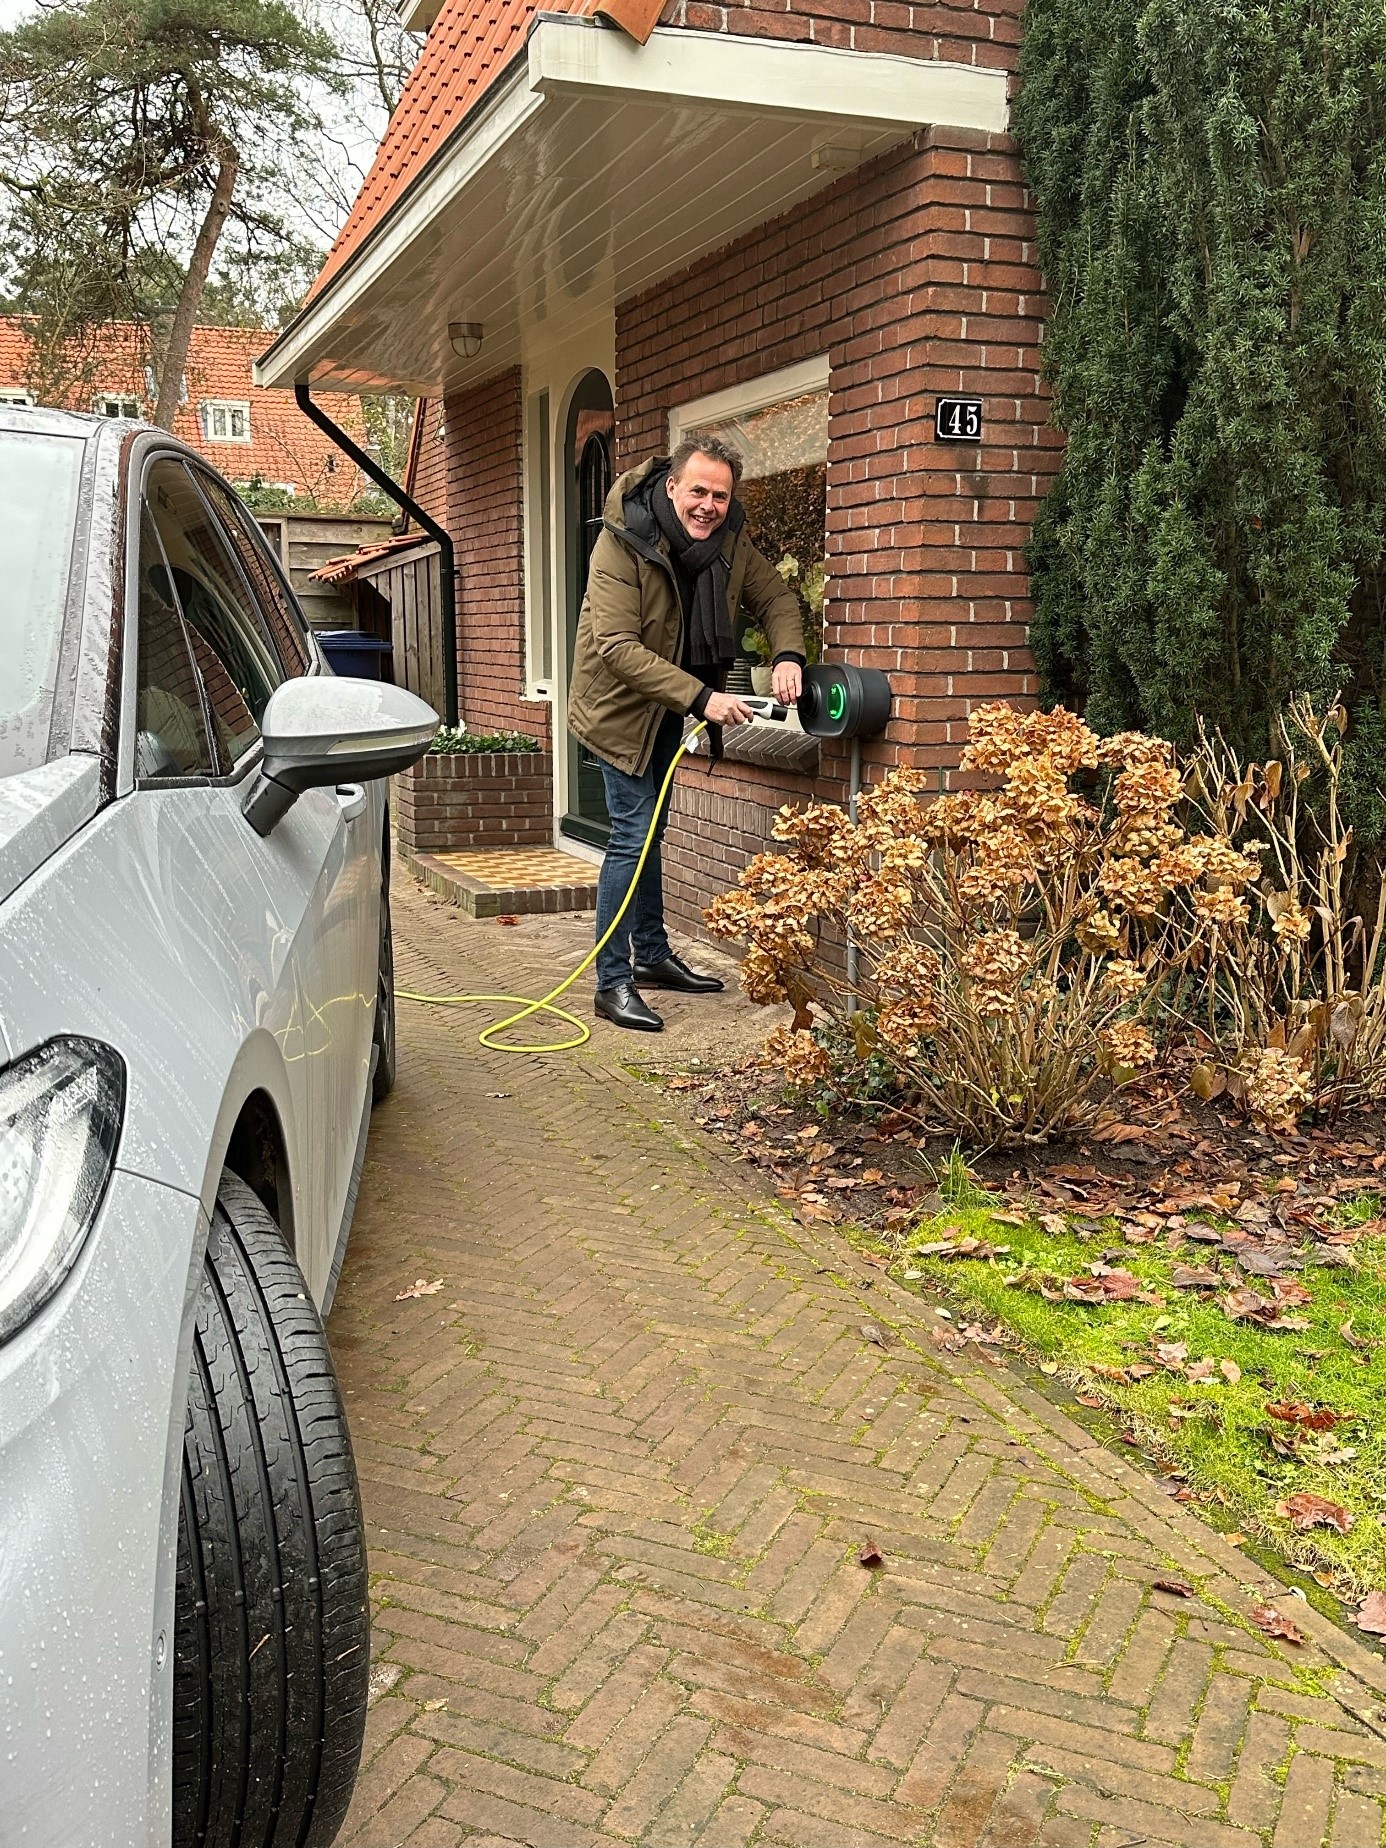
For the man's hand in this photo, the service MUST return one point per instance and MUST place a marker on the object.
(726, 709)
(787, 680)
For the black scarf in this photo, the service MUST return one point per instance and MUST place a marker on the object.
(711, 643)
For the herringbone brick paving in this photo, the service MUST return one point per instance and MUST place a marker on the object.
(618, 1472)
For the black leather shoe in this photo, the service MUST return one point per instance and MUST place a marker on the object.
(675, 973)
(623, 1007)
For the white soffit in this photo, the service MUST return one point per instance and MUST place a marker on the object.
(593, 169)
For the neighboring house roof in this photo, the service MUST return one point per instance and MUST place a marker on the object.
(352, 564)
(280, 446)
(470, 44)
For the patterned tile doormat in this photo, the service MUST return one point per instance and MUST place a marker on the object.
(509, 880)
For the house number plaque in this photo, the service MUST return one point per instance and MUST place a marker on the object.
(958, 420)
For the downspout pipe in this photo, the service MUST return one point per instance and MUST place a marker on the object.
(447, 588)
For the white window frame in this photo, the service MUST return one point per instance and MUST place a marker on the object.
(539, 517)
(16, 395)
(209, 406)
(798, 381)
(102, 399)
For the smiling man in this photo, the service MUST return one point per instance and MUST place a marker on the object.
(671, 572)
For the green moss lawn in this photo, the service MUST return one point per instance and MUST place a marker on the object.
(1189, 1382)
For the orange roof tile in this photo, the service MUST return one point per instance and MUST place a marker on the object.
(470, 43)
(284, 447)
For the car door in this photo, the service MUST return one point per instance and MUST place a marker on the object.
(254, 908)
(349, 924)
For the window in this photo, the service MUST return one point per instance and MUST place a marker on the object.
(116, 404)
(780, 425)
(171, 736)
(40, 524)
(284, 622)
(224, 420)
(230, 641)
(11, 394)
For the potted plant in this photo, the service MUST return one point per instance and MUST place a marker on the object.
(757, 648)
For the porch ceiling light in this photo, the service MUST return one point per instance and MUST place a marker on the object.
(465, 338)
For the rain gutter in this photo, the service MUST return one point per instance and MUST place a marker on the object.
(447, 565)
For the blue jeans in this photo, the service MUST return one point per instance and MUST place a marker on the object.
(630, 802)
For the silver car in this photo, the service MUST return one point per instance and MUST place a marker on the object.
(196, 1011)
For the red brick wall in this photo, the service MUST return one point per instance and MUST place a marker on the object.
(986, 32)
(476, 473)
(431, 472)
(916, 275)
(453, 804)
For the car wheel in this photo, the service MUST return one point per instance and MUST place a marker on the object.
(271, 1639)
(384, 1036)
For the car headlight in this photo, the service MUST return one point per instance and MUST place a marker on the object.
(60, 1111)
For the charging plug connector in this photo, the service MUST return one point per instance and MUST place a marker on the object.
(763, 707)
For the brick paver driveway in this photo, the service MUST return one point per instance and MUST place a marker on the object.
(618, 1473)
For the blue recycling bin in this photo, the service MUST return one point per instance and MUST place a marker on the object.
(359, 657)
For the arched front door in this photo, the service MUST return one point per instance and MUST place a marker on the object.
(587, 475)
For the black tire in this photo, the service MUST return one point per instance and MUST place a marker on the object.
(383, 1038)
(271, 1639)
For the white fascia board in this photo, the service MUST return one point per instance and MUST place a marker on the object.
(719, 68)
(569, 56)
(798, 381)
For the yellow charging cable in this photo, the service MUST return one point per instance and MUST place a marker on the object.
(582, 1032)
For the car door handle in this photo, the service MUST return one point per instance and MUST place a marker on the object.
(352, 797)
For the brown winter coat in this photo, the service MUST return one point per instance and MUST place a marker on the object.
(626, 671)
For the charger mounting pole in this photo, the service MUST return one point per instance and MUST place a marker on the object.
(853, 791)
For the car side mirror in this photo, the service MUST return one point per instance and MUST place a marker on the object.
(324, 730)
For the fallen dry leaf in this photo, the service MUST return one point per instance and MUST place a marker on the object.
(1110, 1286)
(1310, 1418)
(434, 1706)
(1353, 1339)
(1086, 1398)
(1201, 1371)
(1270, 1623)
(507, 917)
(1175, 1587)
(871, 1332)
(1306, 1510)
(870, 1555)
(1194, 1277)
(992, 1337)
(1371, 1613)
(420, 1287)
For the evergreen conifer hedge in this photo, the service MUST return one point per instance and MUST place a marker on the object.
(1210, 177)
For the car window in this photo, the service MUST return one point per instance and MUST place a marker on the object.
(39, 481)
(230, 641)
(171, 730)
(285, 625)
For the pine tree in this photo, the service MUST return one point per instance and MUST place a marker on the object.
(131, 133)
(1210, 181)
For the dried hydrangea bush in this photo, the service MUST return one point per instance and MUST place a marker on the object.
(1295, 1013)
(1014, 939)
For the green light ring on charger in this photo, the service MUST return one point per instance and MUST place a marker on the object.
(837, 701)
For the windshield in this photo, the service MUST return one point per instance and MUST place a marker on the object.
(39, 480)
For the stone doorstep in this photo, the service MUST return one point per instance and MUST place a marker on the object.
(489, 898)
